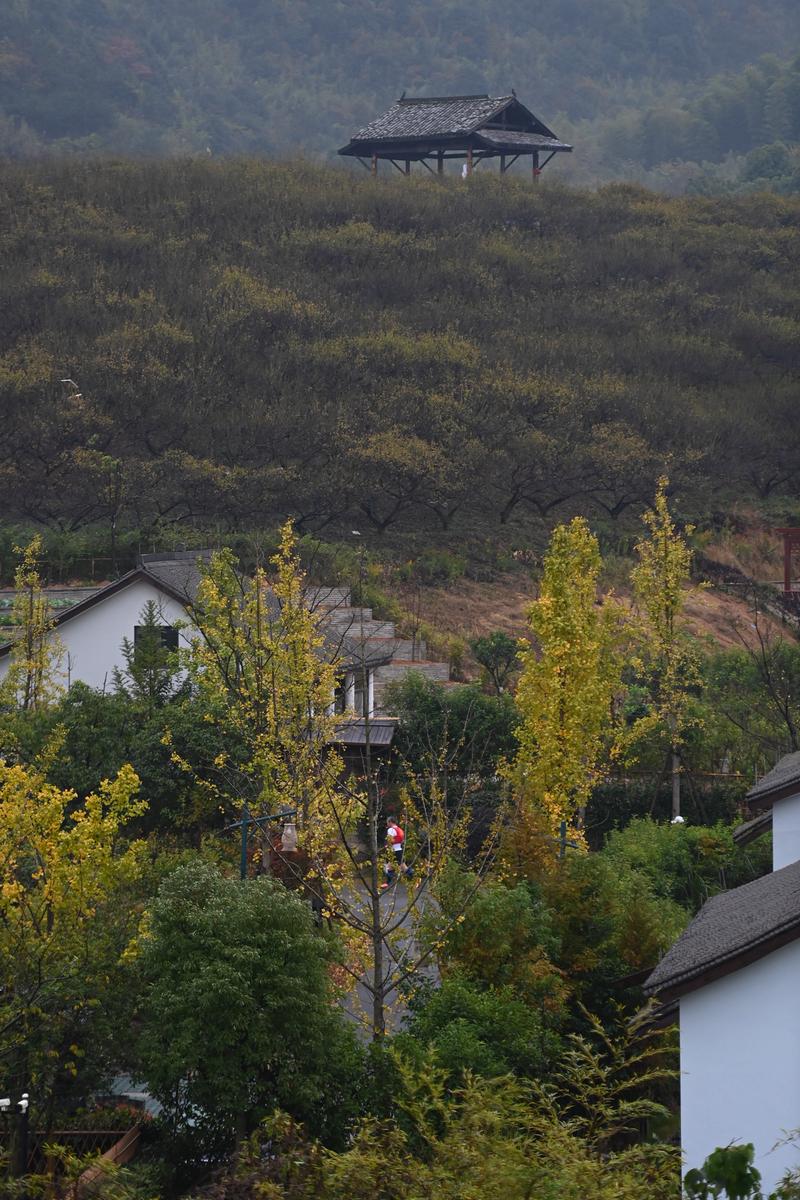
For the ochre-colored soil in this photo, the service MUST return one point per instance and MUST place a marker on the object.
(467, 608)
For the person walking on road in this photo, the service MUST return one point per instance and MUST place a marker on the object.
(395, 840)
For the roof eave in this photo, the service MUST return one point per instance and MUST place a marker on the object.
(138, 573)
(702, 976)
(363, 146)
(766, 799)
(750, 831)
(351, 664)
(424, 145)
(556, 148)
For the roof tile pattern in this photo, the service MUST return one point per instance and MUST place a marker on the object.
(420, 118)
(180, 571)
(730, 925)
(522, 141)
(785, 773)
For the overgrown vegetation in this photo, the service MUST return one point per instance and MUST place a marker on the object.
(465, 364)
(517, 1062)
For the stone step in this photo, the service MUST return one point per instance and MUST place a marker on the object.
(354, 630)
(346, 615)
(403, 648)
(399, 668)
(328, 597)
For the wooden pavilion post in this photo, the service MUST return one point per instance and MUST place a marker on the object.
(440, 162)
(791, 542)
(502, 164)
(374, 168)
(469, 160)
(535, 172)
(787, 564)
(408, 166)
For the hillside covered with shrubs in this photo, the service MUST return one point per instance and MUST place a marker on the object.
(250, 340)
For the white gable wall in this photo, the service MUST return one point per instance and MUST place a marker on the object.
(92, 640)
(786, 834)
(740, 1063)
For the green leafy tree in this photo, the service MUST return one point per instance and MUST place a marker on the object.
(489, 1031)
(236, 1009)
(70, 902)
(174, 746)
(498, 655)
(488, 1139)
(753, 697)
(259, 665)
(459, 730)
(685, 864)
(729, 1172)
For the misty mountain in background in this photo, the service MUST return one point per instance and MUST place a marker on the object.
(667, 91)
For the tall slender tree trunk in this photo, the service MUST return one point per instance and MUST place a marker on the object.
(674, 766)
(676, 783)
(373, 816)
(378, 1015)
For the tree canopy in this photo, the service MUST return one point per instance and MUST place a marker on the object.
(253, 341)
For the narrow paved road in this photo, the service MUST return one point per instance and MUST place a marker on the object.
(404, 947)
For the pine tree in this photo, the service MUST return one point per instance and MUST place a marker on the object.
(150, 665)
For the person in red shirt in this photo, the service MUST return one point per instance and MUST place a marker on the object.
(395, 840)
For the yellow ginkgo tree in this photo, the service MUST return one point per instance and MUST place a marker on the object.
(669, 660)
(263, 671)
(32, 679)
(68, 916)
(264, 661)
(570, 672)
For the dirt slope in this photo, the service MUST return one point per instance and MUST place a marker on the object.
(467, 608)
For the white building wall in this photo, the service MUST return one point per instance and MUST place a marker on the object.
(92, 640)
(740, 1063)
(786, 835)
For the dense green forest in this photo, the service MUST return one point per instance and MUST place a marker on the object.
(646, 89)
(251, 340)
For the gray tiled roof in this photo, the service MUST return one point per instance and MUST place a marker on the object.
(178, 571)
(785, 773)
(354, 733)
(730, 925)
(744, 834)
(522, 141)
(411, 118)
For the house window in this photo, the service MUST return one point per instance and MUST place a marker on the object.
(340, 697)
(169, 635)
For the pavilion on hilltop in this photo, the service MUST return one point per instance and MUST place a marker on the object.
(439, 128)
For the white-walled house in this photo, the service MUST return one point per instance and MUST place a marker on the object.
(366, 650)
(735, 976)
(91, 632)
